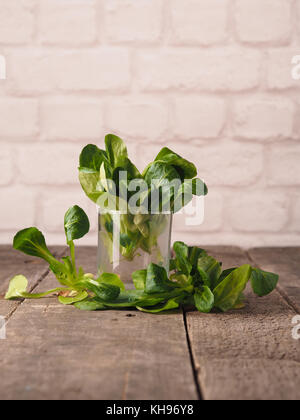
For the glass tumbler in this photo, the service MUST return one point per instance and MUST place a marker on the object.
(130, 242)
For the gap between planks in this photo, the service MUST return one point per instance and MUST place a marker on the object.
(192, 359)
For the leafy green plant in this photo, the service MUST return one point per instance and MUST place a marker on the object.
(214, 287)
(76, 286)
(99, 175)
(196, 278)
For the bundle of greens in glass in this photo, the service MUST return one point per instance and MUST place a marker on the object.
(196, 279)
(142, 200)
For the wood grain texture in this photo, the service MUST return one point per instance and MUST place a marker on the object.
(285, 262)
(58, 352)
(246, 354)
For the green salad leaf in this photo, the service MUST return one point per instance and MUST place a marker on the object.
(80, 296)
(170, 304)
(32, 242)
(76, 224)
(186, 169)
(139, 279)
(116, 151)
(227, 293)
(101, 290)
(91, 158)
(111, 279)
(90, 161)
(90, 305)
(204, 299)
(17, 286)
(182, 262)
(263, 282)
(210, 270)
(18, 290)
(157, 280)
(223, 275)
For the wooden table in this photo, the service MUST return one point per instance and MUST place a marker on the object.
(58, 352)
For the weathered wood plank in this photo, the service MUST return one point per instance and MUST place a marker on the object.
(285, 262)
(57, 352)
(246, 354)
(230, 256)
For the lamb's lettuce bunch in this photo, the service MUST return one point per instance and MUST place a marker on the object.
(196, 280)
(75, 284)
(214, 287)
(105, 176)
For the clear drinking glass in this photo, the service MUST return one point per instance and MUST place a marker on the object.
(129, 242)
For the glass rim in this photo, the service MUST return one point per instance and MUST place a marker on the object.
(120, 212)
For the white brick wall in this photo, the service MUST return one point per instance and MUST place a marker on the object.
(209, 78)
(189, 69)
(133, 21)
(199, 117)
(64, 118)
(267, 118)
(17, 22)
(264, 21)
(199, 22)
(19, 118)
(138, 118)
(67, 23)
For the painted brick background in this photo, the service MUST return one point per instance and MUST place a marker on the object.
(209, 78)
